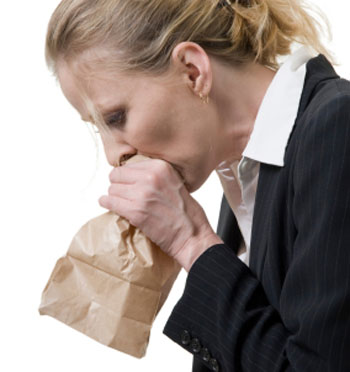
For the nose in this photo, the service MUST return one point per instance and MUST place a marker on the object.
(117, 151)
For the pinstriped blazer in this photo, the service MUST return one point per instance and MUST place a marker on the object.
(290, 309)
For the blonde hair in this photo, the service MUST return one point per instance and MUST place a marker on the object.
(141, 34)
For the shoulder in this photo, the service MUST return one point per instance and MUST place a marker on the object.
(328, 110)
(324, 125)
(325, 94)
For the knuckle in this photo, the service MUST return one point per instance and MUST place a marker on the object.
(145, 195)
(165, 170)
(153, 179)
(162, 166)
(159, 170)
(156, 178)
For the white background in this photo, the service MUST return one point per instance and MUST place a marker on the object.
(50, 183)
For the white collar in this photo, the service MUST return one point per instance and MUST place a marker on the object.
(278, 111)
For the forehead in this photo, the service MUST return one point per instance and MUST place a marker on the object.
(70, 85)
(84, 88)
(82, 83)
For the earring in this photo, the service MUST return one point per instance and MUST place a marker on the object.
(204, 99)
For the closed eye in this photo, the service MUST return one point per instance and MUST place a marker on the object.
(116, 119)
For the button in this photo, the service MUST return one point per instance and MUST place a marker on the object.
(214, 366)
(205, 354)
(195, 345)
(185, 337)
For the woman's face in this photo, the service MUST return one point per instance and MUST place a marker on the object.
(159, 117)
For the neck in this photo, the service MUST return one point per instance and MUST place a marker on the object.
(237, 94)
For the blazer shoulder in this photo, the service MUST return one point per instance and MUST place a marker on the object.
(328, 111)
(329, 96)
(321, 80)
(325, 125)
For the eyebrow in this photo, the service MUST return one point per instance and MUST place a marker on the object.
(104, 114)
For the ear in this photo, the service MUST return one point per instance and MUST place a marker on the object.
(194, 65)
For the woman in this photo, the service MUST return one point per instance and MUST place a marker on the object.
(195, 85)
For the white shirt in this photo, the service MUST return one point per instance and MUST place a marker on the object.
(267, 144)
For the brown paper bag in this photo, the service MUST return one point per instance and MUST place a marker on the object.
(111, 284)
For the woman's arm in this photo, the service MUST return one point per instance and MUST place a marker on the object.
(224, 309)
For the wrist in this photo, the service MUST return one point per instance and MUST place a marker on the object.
(194, 248)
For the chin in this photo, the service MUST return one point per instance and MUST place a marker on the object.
(193, 186)
(193, 183)
(190, 188)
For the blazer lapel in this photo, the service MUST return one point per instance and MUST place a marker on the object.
(228, 229)
(268, 176)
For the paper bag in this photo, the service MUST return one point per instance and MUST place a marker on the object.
(111, 284)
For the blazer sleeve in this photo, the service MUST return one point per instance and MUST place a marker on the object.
(224, 317)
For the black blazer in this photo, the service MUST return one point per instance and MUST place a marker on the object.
(290, 309)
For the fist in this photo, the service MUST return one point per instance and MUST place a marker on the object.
(151, 196)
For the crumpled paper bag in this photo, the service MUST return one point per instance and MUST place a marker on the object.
(111, 284)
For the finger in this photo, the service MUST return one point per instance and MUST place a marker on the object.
(124, 175)
(130, 173)
(120, 206)
(124, 191)
(157, 165)
(124, 208)
(155, 171)
(139, 164)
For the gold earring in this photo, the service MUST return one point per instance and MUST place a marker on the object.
(204, 99)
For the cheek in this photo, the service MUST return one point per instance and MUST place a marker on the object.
(153, 130)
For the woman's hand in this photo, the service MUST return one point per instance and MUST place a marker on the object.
(151, 195)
